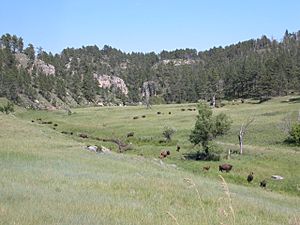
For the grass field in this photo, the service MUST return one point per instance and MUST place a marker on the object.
(48, 178)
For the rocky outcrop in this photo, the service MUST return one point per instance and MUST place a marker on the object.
(106, 81)
(22, 59)
(44, 68)
(175, 62)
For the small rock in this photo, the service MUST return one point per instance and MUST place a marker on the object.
(277, 177)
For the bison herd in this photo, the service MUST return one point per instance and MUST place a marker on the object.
(161, 113)
(163, 154)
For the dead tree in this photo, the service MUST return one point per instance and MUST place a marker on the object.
(121, 145)
(242, 132)
(213, 101)
(148, 90)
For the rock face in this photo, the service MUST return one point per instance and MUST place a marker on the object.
(44, 68)
(106, 81)
(175, 62)
(22, 59)
(41, 66)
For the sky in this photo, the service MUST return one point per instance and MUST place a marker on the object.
(146, 25)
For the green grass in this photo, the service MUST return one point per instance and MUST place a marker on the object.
(48, 178)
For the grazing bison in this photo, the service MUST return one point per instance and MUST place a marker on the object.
(47, 122)
(250, 177)
(158, 113)
(130, 134)
(135, 117)
(263, 183)
(164, 154)
(178, 148)
(170, 113)
(143, 116)
(83, 135)
(226, 167)
(206, 168)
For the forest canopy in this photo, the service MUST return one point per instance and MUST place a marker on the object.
(260, 68)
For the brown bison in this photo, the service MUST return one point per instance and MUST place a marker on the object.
(83, 135)
(226, 167)
(164, 154)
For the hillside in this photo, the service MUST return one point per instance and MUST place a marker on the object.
(49, 178)
(258, 68)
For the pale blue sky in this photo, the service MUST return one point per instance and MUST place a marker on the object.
(146, 25)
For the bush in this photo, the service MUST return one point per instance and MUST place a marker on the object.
(168, 132)
(206, 129)
(8, 108)
(295, 134)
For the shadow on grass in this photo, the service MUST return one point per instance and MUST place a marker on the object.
(260, 100)
(201, 155)
(293, 100)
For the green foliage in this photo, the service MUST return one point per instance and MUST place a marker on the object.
(8, 108)
(208, 128)
(260, 69)
(168, 132)
(295, 134)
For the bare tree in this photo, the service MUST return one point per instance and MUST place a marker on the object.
(148, 90)
(286, 124)
(243, 131)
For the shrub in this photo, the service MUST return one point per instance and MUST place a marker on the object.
(208, 128)
(8, 108)
(168, 132)
(295, 134)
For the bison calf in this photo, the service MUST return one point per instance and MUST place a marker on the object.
(206, 168)
(263, 183)
(226, 167)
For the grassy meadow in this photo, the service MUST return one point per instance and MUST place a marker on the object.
(48, 178)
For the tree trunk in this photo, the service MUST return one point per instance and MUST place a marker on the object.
(241, 142)
(213, 101)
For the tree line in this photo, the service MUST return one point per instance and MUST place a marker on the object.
(258, 68)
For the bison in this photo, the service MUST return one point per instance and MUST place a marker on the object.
(263, 183)
(83, 135)
(226, 167)
(250, 177)
(130, 134)
(206, 168)
(164, 154)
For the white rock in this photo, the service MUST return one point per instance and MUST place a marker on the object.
(277, 177)
(92, 148)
